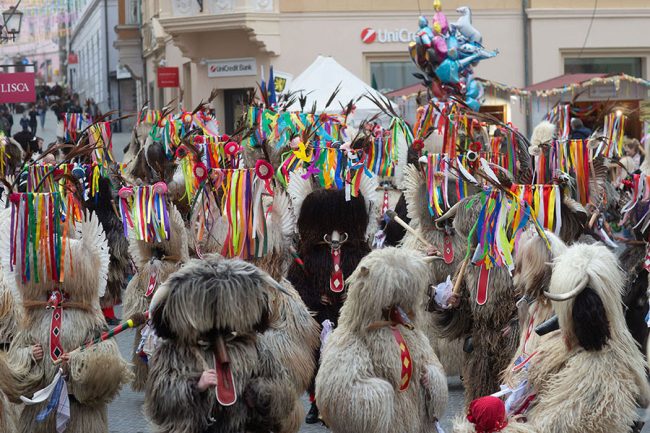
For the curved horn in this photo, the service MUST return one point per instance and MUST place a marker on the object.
(568, 295)
(450, 213)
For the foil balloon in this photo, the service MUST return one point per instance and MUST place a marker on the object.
(448, 71)
(447, 53)
(452, 47)
(440, 18)
(464, 26)
(424, 36)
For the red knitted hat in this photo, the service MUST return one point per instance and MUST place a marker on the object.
(488, 414)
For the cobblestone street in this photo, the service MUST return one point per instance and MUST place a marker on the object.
(125, 413)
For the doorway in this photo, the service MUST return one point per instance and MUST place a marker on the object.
(234, 103)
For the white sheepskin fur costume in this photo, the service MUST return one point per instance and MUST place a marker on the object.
(533, 270)
(589, 376)
(358, 384)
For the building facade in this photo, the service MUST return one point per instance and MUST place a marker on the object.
(91, 42)
(131, 91)
(537, 40)
(43, 27)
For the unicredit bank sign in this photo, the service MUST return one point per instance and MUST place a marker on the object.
(386, 36)
(17, 87)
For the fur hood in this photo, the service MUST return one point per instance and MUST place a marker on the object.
(384, 278)
(534, 261)
(176, 247)
(211, 296)
(595, 314)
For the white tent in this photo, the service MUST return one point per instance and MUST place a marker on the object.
(320, 79)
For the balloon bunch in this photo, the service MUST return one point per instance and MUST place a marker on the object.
(447, 53)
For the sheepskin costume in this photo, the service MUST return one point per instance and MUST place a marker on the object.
(293, 334)
(322, 215)
(493, 327)
(155, 261)
(532, 276)
(210, 314)
(95, 375)
(12, 155)
(378, 372)
(118, 244)
(589, 377)
(448, 346)
(10, 308)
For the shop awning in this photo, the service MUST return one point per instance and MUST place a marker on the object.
(562, 81)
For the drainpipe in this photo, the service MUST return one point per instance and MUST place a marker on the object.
(527, 75)
(108, 67)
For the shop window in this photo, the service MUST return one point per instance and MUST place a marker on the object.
(603, 65)
(389, 76)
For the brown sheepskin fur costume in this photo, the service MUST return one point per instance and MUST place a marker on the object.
(448, 348)
(161, 259)
(358, 385)
(532, 276)
(293, 334)
(205, 302)
(493, 327)
(96, 375)
(589, 376)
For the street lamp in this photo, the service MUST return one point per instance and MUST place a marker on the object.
(12, 20)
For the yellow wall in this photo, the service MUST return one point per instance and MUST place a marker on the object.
(390, 5)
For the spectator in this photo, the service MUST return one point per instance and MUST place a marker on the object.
(24, 137)
(33, 118)
(5, 126)
(9, 119)
(633, 149)
(24, 121)
(578, 130)
(42, 112)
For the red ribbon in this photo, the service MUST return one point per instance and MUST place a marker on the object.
(336, 279)
(405, 359)
(55, 301)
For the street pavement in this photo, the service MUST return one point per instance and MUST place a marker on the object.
(125, 413)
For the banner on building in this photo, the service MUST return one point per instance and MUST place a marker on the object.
(168, 77)
(17, 87)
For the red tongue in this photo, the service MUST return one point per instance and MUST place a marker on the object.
(226, 392)
(152, 284)
(482, 286)
(448, 251)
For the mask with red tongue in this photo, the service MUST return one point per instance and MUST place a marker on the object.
(225, 390)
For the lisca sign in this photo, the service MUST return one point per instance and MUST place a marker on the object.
(17, 87)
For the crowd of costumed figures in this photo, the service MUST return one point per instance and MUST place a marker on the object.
(298, 254)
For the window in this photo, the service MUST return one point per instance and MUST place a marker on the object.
(132, 12)
(389, 76)
(604, 65)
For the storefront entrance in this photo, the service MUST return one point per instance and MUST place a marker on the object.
(234, 102)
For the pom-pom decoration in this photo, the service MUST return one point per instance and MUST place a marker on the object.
(263, 170)
(200, 172)
(232, 149)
